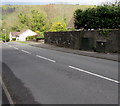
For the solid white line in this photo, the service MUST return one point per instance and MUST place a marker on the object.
(25, 51)
(6, 92)
(94, 74)
(46, 58)
(16, 48)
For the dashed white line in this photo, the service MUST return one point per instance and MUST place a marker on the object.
(46, 58)
(10, 46)
(25, 51)
(16, 48)
(103, 77)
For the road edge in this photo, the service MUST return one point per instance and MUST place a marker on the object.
(6, 92)
(117, 60)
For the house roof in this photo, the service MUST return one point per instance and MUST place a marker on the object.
(18, 33)
(23, 30)
(15, 33)
(27, 32)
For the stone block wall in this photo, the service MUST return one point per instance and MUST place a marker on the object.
(74, 39)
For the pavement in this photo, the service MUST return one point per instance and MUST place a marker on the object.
(108, 56)
(42, 76)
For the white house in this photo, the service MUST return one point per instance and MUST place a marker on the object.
(14, 35)
(25, 34)
(22, 35)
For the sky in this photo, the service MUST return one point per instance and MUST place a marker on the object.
(82, 2)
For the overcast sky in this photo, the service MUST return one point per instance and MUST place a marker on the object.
(94, 2)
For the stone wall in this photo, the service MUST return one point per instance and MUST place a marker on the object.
(85, 40)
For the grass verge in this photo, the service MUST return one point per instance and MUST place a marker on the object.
(22, 42)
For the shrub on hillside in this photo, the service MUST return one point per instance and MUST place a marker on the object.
(58, 27)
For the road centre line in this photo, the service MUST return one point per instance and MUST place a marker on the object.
(100, 76)
(10, 46)
(16, 48)
(25, 51)
(46, 58)
(91, 73)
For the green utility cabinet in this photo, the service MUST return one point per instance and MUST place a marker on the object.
(87, 44)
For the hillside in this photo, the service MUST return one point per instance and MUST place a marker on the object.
(53, 12)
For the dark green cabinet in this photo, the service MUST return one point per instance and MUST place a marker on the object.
(87, 43)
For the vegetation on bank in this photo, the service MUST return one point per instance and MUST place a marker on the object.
(52, 13)
(22, 42)
(55, 18)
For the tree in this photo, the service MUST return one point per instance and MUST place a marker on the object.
(78, 18)
(23, 19)
(19, 27)
(37, 21)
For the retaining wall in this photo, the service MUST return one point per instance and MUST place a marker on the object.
(86, 40)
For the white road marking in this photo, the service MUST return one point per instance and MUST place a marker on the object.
(16, 48)
(10, 46)
(25, 51)
(46, 58)
(103, 77)
(6, 91)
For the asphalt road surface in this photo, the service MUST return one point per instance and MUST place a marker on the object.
(0, 95)
(41, 76)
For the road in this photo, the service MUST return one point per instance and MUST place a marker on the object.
(41, 76)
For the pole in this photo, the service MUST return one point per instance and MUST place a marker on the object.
(5, 34)
(1, 35)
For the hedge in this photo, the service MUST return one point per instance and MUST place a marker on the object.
(98, 18)
(13, 39)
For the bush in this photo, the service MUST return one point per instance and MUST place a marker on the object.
(58, 27)
(5, 38)
(40, 37)
(100, 17)
(40, 33)
(30, 37)
(13, 39)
